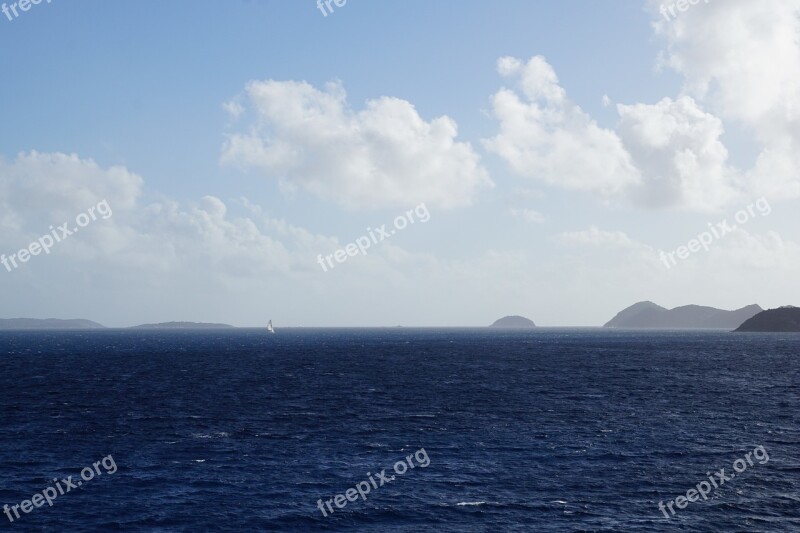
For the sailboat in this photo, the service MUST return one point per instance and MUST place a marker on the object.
(270, 328)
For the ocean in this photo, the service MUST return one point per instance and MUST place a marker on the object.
(540, 430)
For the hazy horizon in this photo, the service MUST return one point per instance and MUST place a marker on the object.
(479, 166)
(356, 326)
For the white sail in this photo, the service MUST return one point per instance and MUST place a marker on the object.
(270, 328)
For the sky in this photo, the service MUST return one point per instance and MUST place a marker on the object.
(387, 163)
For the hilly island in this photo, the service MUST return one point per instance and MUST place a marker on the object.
(782, 320)
(647, 315)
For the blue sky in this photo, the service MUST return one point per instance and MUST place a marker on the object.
(143, 85)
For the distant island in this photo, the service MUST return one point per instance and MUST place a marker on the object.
(516, 322)
(782, 320)
(183, 325)
(79, 324)
(647, 315)
(47, 323)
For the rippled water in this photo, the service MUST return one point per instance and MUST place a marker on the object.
(547, 430)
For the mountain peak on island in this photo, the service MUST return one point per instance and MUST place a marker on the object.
(785, 319)
(514, 321)
(647, 315)
(638, 313)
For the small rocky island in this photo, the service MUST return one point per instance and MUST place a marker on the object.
(515, 322)
(781, 320)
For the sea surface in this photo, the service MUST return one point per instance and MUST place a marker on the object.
(543, 430)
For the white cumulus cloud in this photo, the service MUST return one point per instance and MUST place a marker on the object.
(677, 147)
(741, 60)
(664, 155)
(384, 155)
(545, 136)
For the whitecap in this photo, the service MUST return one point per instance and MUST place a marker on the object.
(217, 435)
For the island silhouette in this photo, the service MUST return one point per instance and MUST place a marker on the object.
(647, 315)
(782, 320)
(514, 321)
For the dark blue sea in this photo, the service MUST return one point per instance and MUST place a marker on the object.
(544, 430)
